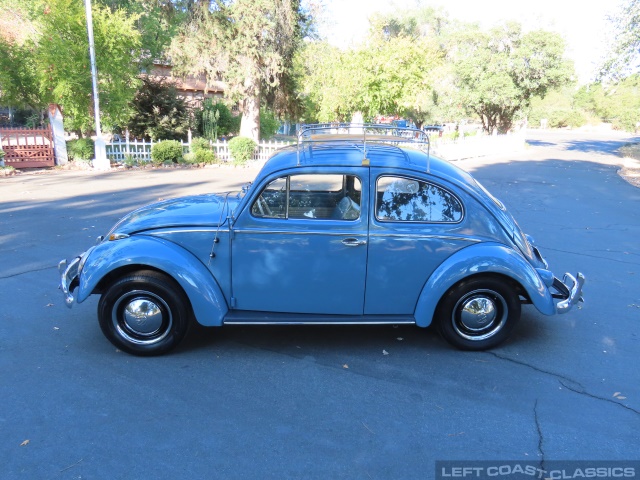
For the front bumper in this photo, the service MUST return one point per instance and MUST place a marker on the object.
(69, 272)
(569, 291)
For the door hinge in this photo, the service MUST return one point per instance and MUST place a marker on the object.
(232, 302)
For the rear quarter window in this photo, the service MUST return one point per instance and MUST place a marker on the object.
(403, 199)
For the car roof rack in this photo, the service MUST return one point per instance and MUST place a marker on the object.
(359, 135)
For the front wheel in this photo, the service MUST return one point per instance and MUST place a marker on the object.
(144, 313)
(479, 313)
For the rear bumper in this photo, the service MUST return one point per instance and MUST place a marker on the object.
(569, 291)
(69, 279)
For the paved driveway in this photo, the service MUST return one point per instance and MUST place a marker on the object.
(321, 402)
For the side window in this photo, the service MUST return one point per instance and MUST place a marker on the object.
(272, 202)
(410, 200)
(310, 196)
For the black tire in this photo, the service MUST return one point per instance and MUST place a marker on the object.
(144, 313)
(478, 313)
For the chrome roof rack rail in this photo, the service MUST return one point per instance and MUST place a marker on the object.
(361, 134)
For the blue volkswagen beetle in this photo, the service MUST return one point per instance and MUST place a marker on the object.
(350, 226)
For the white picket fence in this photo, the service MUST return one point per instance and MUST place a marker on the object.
(120, 149)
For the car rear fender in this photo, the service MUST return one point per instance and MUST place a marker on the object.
(207, 300)
(484, 258)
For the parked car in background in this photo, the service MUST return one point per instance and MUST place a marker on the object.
(354, 225)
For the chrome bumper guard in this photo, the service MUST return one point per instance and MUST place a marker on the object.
(69, 279)
(570, 291)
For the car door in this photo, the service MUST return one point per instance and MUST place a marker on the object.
(416, 223)
(300, 244)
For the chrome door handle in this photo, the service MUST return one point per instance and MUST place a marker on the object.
(353, 242)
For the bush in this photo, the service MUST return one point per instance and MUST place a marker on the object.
(200, 156)
(216, 120)
(626, 120)
(199, 144)
(205, 156)
(159, 111)
(2, 154)
(269, 124)
(559, 118)
(80, 149)
(167, 151)
(241, 149)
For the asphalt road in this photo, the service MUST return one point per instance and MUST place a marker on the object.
(321, 402)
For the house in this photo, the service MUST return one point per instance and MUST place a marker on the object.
(193, 89)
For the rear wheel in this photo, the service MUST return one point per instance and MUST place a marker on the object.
(478, 313)
(144, 313)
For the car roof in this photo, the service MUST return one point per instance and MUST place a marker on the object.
(351, 154)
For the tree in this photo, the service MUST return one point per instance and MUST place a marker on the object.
(18, 78)
(624, 57)
(618, 103)
(50, 64)
(249, 44)
(62, 62)
(500, 71)
(386, 76)
(157, 21)
(158, 112)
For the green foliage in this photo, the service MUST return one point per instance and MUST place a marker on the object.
(269, 124)
(18, 76)
(558, 109)
(385, 76)
(158, 112)
(248, 44)
(241, 149)
(199, 144)
(61, 61)
(2, 153)
(130, 161)
(624, 56)
(200, 152)
(157, 23)
(618, 103)
(82, 149)
(501, 71)
(167, 151)
(216, 120)
(206, 157)
(627, 119)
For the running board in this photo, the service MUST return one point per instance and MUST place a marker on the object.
(235, 317)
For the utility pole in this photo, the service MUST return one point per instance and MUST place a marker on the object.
(101, 161)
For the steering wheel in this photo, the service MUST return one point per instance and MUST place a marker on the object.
(265, 211)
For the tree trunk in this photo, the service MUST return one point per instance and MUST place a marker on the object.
(250, 124)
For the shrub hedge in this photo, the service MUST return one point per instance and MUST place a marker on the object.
(241, 149)
(166, 151)
(80, 149)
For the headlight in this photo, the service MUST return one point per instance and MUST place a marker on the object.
(117, 236)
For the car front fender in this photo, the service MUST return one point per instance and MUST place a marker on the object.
(483, 258)
(204, 293)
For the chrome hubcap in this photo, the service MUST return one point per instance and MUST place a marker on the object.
(479, 314)
(142, 317)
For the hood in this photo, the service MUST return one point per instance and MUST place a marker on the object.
(209, 210)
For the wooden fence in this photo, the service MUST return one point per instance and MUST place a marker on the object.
(27, 147)
(119, 151)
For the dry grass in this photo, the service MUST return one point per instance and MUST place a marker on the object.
(631, 173)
